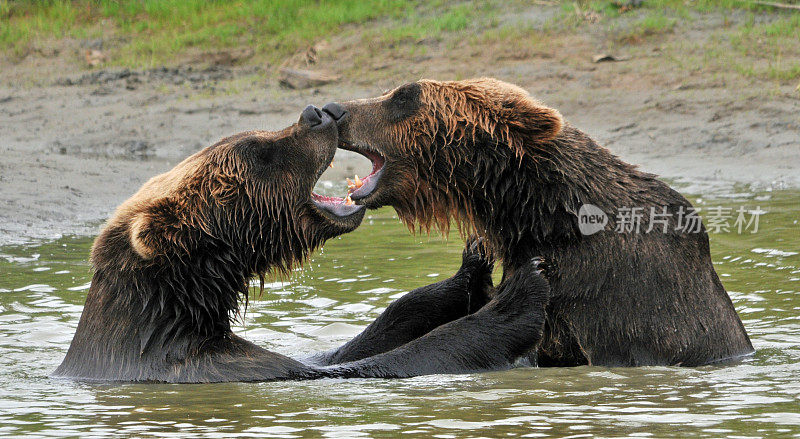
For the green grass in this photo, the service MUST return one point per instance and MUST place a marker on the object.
(682, 9)
(612, 8)
(765, 46)
(654, 22)
(147, 33)
(776, 41)
(420, 24)
(155, 31)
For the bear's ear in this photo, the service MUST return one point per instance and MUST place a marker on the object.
(155, 230)
(509, 112)
(142, 236)
(531, 118)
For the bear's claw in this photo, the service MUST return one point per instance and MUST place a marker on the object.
(476, 249)
(540, 265)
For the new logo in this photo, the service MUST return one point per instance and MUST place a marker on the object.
(591, 219)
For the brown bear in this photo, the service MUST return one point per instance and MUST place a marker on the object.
(482, 152)
(173, 264)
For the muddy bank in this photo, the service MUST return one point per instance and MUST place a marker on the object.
(73, 150)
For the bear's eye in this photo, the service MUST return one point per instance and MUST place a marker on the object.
(405, 93)
(257, 151)
(404, 102)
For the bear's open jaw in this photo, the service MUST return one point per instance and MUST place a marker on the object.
(337, 207)
(359, 189)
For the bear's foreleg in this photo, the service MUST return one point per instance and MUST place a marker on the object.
(492, 338)
(422, 310)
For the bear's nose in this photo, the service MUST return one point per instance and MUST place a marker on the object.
(335, 110)
(312, 116)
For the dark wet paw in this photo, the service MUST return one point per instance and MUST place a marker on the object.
(477, 266)
(540, 268)
(476, 251)
(527, 286)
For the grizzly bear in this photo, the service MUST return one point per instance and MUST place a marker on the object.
(173, 265)
(485, 154)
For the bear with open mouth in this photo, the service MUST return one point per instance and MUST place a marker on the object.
(486, 155)
(173, 265)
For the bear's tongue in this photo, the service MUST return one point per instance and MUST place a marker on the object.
(322, 199)
(340, 207)
(353, 186)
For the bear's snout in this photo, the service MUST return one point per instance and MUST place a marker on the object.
(313, 117)
(335, 110)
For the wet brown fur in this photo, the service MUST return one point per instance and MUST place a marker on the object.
(501, 164)
(174, 262)
(459, 112)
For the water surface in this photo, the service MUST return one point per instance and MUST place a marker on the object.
(343, 288)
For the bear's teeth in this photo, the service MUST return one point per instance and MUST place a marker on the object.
(348, 201)
(352, 185)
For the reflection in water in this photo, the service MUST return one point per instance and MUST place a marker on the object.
(342, 289)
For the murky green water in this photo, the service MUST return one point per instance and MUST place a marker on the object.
(42, 290)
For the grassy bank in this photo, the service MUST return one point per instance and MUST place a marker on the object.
(750, 40)
(754, 40)
(150, 32)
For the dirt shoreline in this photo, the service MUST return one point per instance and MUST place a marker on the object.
(73, 150)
